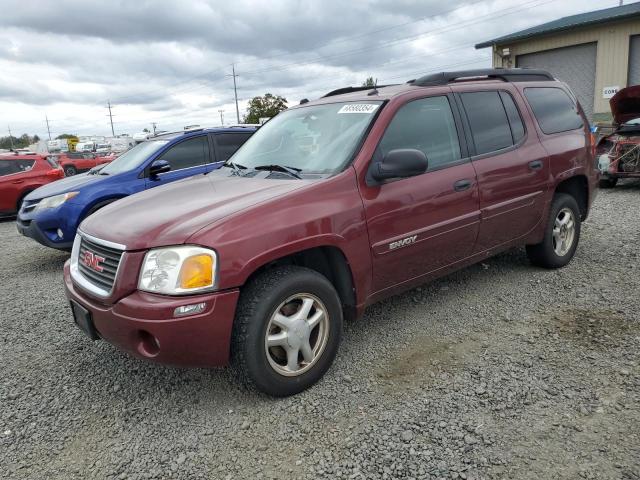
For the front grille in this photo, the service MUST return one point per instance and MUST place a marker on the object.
(102, 279)
(29, 205)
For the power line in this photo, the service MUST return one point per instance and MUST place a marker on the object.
(507, 11)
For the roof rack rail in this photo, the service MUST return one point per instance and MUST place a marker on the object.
(504, 74)
(344, 90)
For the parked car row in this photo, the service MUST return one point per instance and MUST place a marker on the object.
(331, 206)
(79, 162)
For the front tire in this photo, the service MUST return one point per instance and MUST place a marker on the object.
(70, 171)
(287, 330)
(561, 236)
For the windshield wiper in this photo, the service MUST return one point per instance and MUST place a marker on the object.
(237, 168)
(293, 171)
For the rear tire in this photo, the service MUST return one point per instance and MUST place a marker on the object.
(70, 171)
(561, 236)
(278, 346)
(608, 182)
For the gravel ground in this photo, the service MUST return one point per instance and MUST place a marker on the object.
(498, 371)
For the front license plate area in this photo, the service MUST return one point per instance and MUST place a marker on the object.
(82, 318)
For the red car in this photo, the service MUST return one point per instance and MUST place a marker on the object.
(79, 162)
(21, 174)
(331, 206)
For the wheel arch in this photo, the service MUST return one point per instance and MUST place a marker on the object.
(328, 260)
(578, 187)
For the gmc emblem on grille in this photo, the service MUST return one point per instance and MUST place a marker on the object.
(92, 261)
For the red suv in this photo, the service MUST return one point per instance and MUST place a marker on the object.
(21, 174)
(329, 207)
(78, 162)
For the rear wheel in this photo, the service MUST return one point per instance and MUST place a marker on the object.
(561, 235)
(608, 182)
(287, 330)
(70, 171)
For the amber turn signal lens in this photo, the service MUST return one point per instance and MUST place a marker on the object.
(197, 272)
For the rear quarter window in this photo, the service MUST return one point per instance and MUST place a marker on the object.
(554, 110)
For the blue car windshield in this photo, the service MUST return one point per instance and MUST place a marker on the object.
(133, 158)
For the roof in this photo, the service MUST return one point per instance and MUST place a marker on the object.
(565, 23)
(180, 133)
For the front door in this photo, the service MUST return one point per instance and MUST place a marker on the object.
(421, 224)
(187, 158)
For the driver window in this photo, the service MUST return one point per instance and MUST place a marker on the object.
(190, 153)
(426, 124)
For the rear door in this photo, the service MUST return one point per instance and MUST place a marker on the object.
(9, 185)
(189, 157)
(420, 224)
(511, 164)
(227, 144)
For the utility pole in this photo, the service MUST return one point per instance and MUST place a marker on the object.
(48, 129)
(153, 124)
(221, 117)
(10, 137)
(235, 90)
(111, 118)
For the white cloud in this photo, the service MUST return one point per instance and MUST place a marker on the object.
(167, 63)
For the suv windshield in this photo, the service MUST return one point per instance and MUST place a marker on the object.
(134, 157)
(317, 139)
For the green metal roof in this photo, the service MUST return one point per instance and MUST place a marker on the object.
(566, 23)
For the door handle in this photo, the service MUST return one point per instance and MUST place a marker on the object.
(17, 181)
(462, 185)
(535, 165)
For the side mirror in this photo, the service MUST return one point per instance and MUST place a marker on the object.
(157, 167)
(400, 163)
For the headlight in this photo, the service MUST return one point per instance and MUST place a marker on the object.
(178, 270)
(55, 201)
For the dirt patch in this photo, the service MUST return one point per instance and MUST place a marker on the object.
(598, 329)
(426, 357)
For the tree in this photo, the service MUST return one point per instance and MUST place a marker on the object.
(145, 130)
(67, 135)
(369, 82)
(267, 106)
(36, 139)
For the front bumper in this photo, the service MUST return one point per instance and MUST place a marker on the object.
(144, 325)
(43, 227)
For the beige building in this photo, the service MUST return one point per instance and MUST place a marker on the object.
(596, 53)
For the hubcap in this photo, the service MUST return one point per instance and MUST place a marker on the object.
(297, 334)
(564, 232)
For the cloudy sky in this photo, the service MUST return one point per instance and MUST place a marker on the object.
(168, 62)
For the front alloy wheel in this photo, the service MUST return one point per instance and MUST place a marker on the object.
(286, 331)
(297, 334)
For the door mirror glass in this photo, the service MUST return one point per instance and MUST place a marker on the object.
(157, 167)
(400, 163)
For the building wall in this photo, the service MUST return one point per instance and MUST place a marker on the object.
(612, 61)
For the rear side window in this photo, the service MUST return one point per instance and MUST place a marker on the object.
(228, 143)
(190, 153)
(488, 120)
(428, 125)
(515, 120)
(553, 108)
(7, 167)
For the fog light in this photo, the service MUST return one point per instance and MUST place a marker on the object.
(60, 233)
(189, 309)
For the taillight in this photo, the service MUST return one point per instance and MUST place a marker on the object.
(592, 144)
(55, 173)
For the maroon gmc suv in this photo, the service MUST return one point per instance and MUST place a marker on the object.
(333, 205)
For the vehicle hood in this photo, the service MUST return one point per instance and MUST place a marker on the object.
(170, 214)
(64, 185)
(625, 105)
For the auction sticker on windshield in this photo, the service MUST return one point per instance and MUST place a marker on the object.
(359, 108)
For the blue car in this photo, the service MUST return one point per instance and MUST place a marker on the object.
(51, 214)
